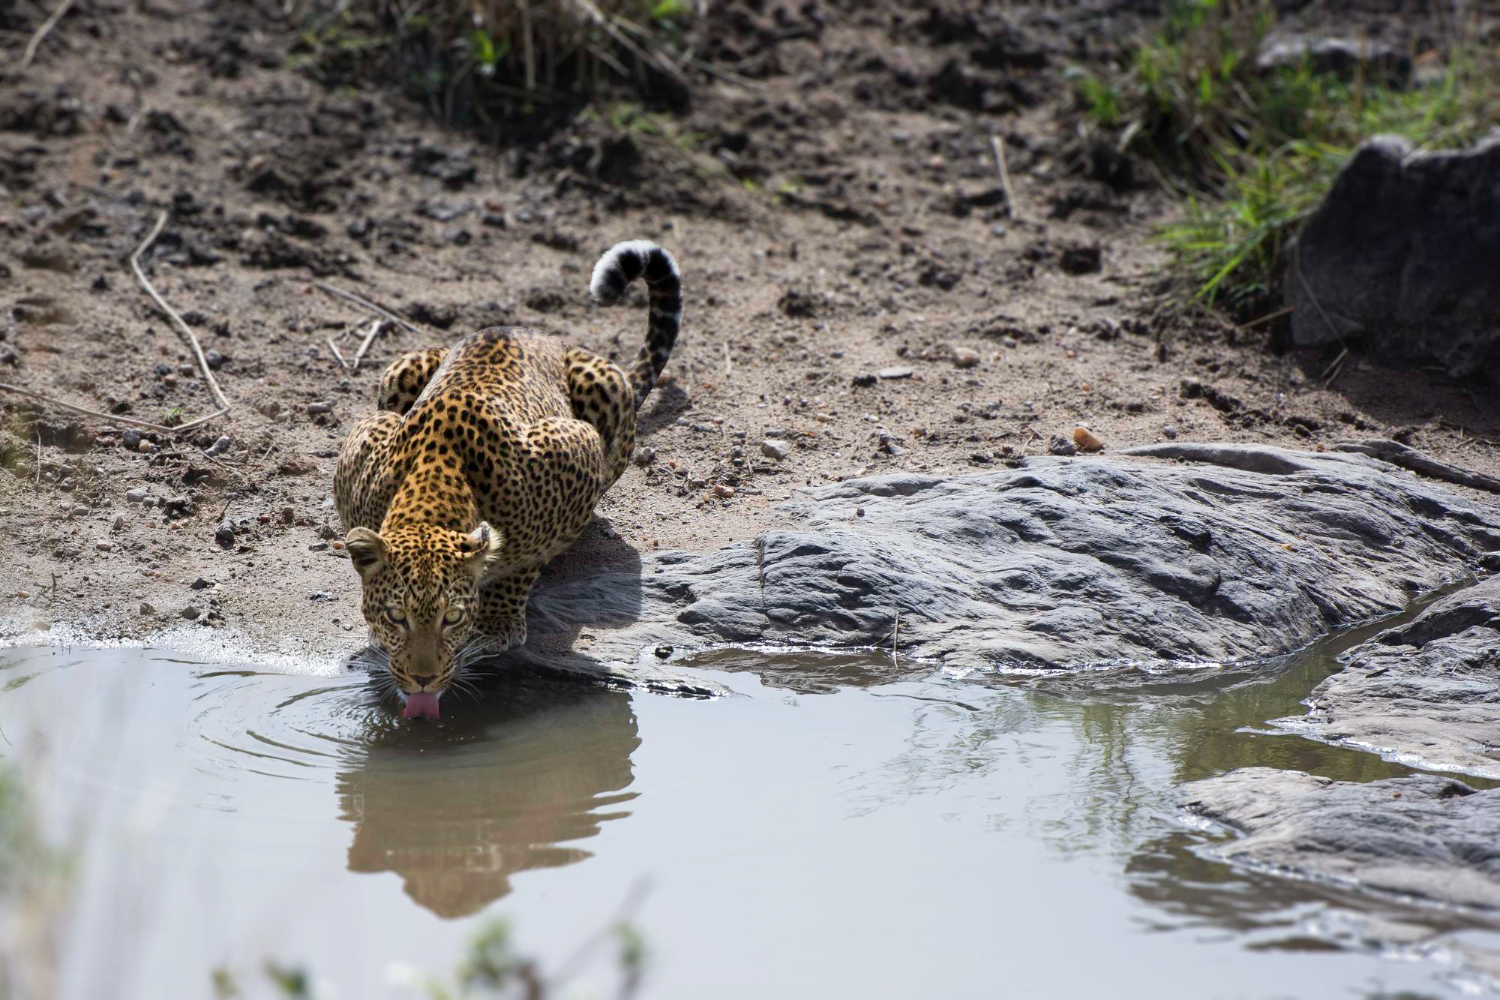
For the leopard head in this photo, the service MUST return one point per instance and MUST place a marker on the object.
(421, 591)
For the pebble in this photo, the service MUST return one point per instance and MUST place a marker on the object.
(865, 380)
(215, 359)
(225, 535)
(137, 495)
(80, 510)
(288, 515)
(894, 373)
(190, 613)
(131, 440)
(145, 447)
(104, 546)
(964, 357)
(1085, 440)
(778, 450)
(147, 609)
(317, 547)
(1059, 445)
(1169, 432)
(1009, 342)
(66, 484)
(169, 379)
(219, 447)
(723, 492)
(200, 584)
(320, 407)
(119, 524)
(320, 595)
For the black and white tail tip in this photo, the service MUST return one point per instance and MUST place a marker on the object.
(622, 264)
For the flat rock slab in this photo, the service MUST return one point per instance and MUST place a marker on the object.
(1424, 836)
(1231, 553)
(1403, 252)
(1426, 693)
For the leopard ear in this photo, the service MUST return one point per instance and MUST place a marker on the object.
(481, 549)
(366, 551)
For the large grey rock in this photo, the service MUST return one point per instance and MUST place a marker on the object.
(1425, 836)
(1403, 252)
(1426, 693)
(1237, 552)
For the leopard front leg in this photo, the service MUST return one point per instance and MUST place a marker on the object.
(407, 376)
(502, 609)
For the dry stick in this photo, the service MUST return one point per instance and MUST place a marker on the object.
(895, 634)
(728, 362)
(337, 353)
(375, 328)
(997, 146)
(182, 327)
(360, 300)
(41, 32)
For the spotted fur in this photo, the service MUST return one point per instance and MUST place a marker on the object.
(484, 461)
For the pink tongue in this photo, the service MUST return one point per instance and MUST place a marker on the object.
(421, 705)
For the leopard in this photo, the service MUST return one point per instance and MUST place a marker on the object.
(483, 461)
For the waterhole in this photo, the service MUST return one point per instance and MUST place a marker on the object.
(827, 838)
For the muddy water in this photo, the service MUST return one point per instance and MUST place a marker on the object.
(934, 838)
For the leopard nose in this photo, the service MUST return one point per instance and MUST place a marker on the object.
(423, 679)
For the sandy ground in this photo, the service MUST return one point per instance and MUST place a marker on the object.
(857, 295)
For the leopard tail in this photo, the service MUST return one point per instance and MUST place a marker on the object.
(622, 264)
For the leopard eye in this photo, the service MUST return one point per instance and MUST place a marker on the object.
(454, 615)
(395, 616)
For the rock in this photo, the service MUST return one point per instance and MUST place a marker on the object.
(724, 492)
(147, 609)
(965, 357)
(864, 381)
(1423, 836)
(1081, 260)
(1423, 693)
(1402, 253)
(80, 510)
(1059, 445)
(224, 535)
(137, 495)
(1169, 432)
(323, 406)
(215, 359)
(297, 465)
(1086, 441)
(1061, 564)
(104, 546)
(219, 447)
(190, 613)
(1343, 57)
(145, 447)
(894, 373)
(288, 515)
(200, 584)
(778, 450)
(645, 456)
(130, 440)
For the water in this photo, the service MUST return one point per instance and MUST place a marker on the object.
(930, 838)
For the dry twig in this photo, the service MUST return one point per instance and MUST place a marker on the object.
(182, 328)
(997, 146)
(41, 32)
(337, 353)
(360, 300)
(375, 327)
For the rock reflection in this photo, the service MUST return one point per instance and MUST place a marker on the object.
(501, 786)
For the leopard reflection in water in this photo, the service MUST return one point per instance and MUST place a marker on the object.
(505, 785)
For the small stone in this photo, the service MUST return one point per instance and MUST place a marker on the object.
(190, 613)
(147, 609)
(320, 595)
(145, 447)
(200, 584)
(65, 485)
(697, 482)
(131, 440)
(104, 546)
(288, 515)
(317, 547)
(137, 495)
(1009, 342)
(723, 492)
(981, 458)
(998, 230)
(169, 380)
(225, 535)
(322, 406)
(1085, 440)
(1059, 445)
(894, 373)
(1081, 260)
(219, 447)
(662, 652)
(964, 357)
(1169, 432)
(644, 457)
(215, 359)
(119, 524)
(778, 450)
(80, 510)
(864, 381)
